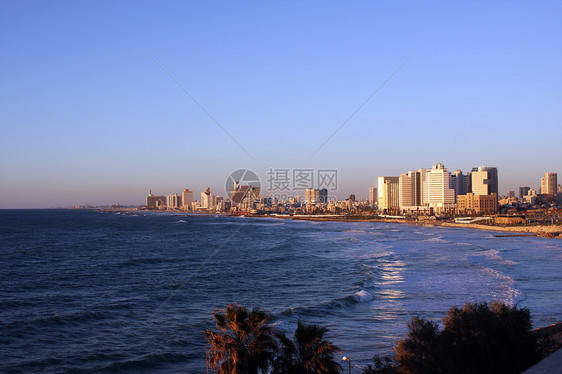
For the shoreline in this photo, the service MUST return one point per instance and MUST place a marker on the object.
(545, 231)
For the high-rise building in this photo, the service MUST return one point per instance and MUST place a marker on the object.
(410, 190)
(155, 201)
(388, 193)
(523, 191)
(372, 195)
(549, 184)
(459, 181)
(323, 196)
(510, 194)
(308, 195)
(187, 199)
(440, 194)
(316, 196)
(174, 201)
(207, 199)
(484, 180)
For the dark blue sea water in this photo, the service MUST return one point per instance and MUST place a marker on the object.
(82, 291)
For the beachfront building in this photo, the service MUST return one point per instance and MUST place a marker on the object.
(410, 191)
(187, 199)
(438, 190)
(155, 201)
(477, 204)
(173, 201)
(459, 183)
(207, 199)
(388, 193)
(484, 180)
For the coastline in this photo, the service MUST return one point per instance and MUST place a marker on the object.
(546, 231)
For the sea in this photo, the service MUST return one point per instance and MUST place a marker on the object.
(83, 291)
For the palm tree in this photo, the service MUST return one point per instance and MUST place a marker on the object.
(244, 344)
(308, 354)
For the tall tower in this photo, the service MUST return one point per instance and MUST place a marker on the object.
(440, 195)
(372, 195)
(388, 192)
(459, 183)
(410, 189)
(187, 198)
(484, 180)
(549, 184)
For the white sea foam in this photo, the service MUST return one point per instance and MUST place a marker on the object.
(437, 239)
(377, 255)
(494, 255)
(363, 296)
(422, 233)
(464, 244)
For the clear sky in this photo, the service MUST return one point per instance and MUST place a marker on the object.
(88, 116)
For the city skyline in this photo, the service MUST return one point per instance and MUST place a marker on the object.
(100, 102)
(429, 187)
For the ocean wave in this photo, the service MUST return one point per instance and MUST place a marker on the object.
(146, 361)
(494, 255)
(422, 233)
(377, 254)
(437, 239)
(331, 307)
(464, 244)
(363, 296)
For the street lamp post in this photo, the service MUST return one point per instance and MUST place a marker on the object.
(345, 358)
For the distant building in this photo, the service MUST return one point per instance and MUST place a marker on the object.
(523, 191)
(207, 199)
(316, 196)
(187, 199)
(323, 196)
(510, 193)
(511, 220)
(459, 183)
(410, 190)
(308, 195)
(155, 201)
(173, 201)
(245, 197)
(477, 204)
(372, 195)
(484, 180)
(549, 184)
(437, 188)
(388, 193)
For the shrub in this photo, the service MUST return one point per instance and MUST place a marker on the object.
(478, 338)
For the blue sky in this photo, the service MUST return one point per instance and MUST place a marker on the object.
(87, 116)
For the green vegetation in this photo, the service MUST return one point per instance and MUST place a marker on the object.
(308, 354)
(478, 338)
(246, 344)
